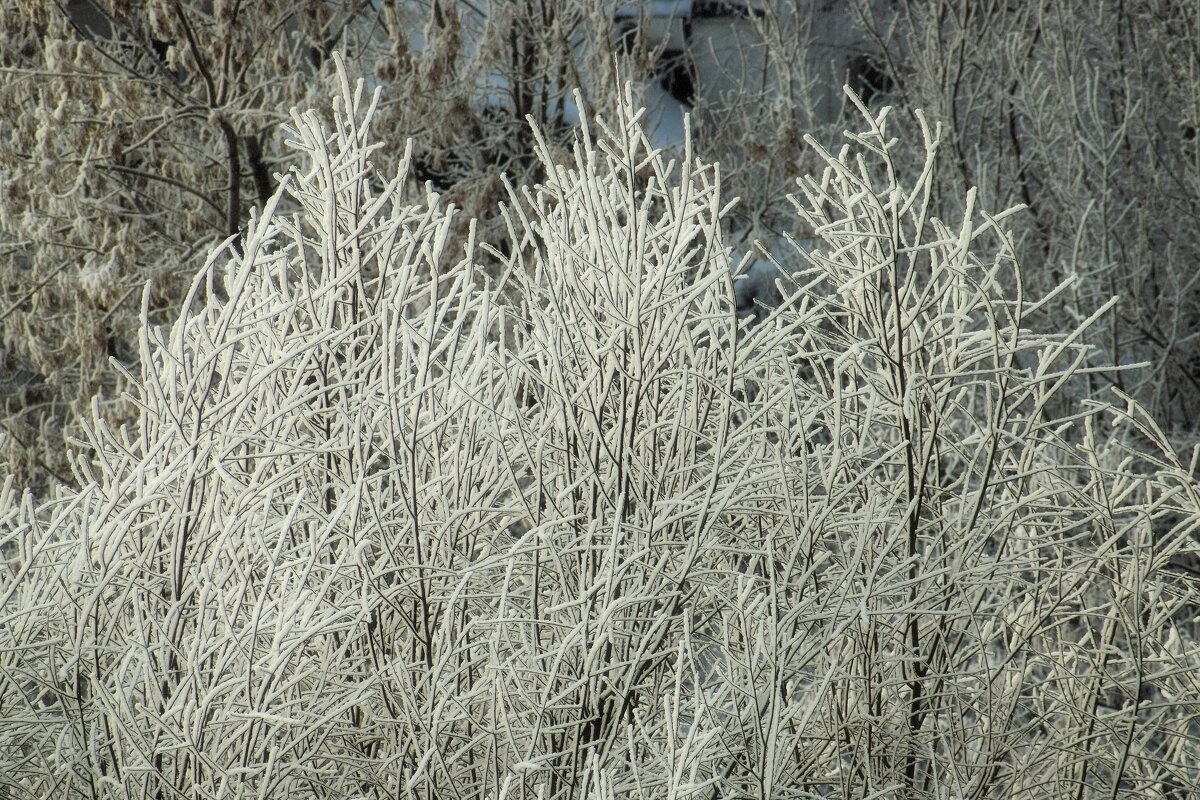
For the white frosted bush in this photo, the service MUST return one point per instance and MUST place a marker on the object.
(386, 530)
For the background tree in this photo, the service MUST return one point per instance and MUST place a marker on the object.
(136, 137)
(1086, 112)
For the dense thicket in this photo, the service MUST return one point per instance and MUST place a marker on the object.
(464, 464)
(385, 526)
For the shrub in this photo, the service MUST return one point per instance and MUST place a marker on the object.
(385, 528)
